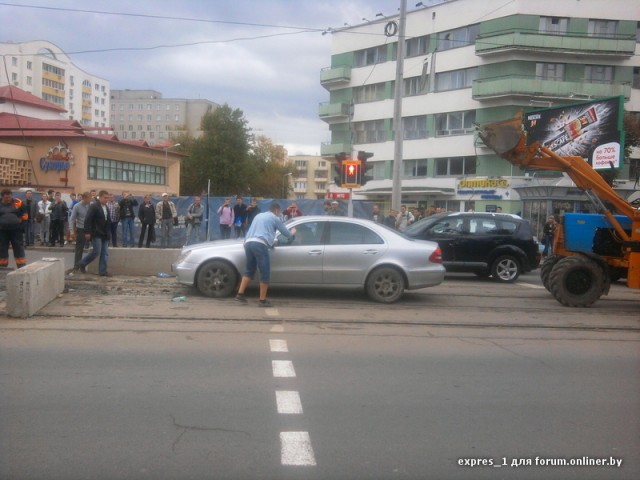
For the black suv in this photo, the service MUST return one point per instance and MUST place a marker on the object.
(496, 244)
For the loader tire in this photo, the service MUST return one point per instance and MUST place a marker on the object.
(576, 281)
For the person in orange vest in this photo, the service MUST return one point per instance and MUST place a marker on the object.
(13, 217)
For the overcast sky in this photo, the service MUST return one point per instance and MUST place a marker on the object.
(241, 52)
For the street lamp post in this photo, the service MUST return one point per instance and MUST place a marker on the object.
(166, 164)
(284, 190)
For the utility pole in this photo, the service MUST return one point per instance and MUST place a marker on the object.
(396, 187)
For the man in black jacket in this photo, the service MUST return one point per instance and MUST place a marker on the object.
(97, 227)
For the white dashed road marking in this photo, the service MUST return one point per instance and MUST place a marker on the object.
(277, 328)
(278, 345)
(530, 285)
(288, 402)
(296, 449)
(283, 368)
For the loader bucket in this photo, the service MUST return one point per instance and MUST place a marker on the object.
(502, 137)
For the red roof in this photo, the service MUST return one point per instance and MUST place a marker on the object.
(11, 94)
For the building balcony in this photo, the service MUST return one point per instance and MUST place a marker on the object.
(532, 88)
(335, 76)
(332, 149)
(622, 46)
(334, 112)
(321, 176)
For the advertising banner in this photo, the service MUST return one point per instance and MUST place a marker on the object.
(591, 130)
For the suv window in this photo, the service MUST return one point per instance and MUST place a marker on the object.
(480, 226)
(448, 226)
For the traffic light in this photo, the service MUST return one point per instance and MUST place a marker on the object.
(351, 173)
(337, 168)
(365, 167)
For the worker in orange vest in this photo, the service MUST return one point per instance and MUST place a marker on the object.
(13, 217)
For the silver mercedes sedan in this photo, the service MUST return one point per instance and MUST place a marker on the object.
(327, 252)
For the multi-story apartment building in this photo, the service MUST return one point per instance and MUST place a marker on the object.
(310, 179)
(145, 115)
(44, 70)
(466, 63)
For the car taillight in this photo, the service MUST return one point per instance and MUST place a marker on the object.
(436, 256)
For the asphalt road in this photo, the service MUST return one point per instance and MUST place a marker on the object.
(370, 402)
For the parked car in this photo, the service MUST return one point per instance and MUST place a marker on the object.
(328, 252)
(487, 244)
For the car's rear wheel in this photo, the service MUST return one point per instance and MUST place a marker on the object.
(217, 279)
(506, 269)
(385, 285)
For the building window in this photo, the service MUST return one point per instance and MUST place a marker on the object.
(167, 107)
(14, 61)
(139, 118)
(417, 46)
(140, 106)
(131, 106)
(122, 107)
(550, 71)
(455, 123)
(158, 118)
(456, 79)
(30, 81)
(636, 77)
(368, 93)
(177, 108)
(30, 67)
(167, 118)
(177, 118)
(638, 32)
(140, 127)
(598, 74)
(414, 128)
(14, 77)
(553, 25)
(414, 168)
(415, 86)
(602, 28)
(372, 131)
(117, 171)
(447, 167)
(371, 56)
(460, 37)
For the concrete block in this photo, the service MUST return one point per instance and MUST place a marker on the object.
(32, 287)
(137, 261)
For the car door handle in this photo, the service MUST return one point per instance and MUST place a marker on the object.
(314, 252)
(370, 252)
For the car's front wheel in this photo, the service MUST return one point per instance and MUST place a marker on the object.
(385, 285)
(217, 279)
(506, 269)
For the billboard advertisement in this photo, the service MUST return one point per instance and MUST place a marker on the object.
(591, 130)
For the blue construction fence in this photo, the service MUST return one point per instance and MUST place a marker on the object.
(361, 209)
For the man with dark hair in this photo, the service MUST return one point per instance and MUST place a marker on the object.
(97, 228)
(239, 217)
(12, 218)
(259, 240)
(59, 215)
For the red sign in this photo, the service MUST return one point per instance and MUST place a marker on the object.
(339, 195)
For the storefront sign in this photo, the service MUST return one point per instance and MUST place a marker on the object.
(58, 159)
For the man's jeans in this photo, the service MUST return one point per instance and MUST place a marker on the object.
(166, 229)
(128, 240)
(79, 247)
(193, 231)
(100, 248)
(29, 232)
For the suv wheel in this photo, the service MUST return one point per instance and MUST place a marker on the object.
(506, 269)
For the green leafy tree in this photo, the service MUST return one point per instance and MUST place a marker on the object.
(272, 166)
(221, 154)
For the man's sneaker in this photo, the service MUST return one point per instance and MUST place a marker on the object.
(105, 274)
(241, 299)
(83, 269)
(265, 303)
